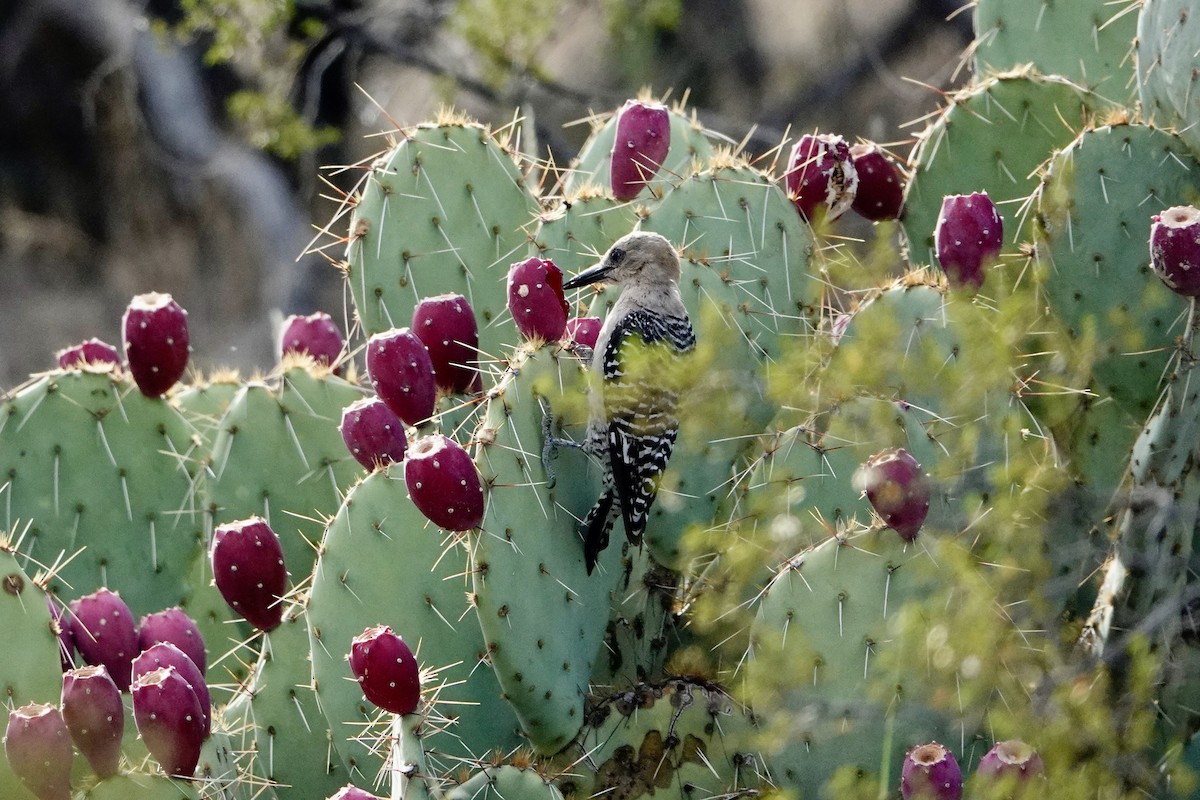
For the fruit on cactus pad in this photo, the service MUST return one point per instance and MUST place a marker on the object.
(1011, 758)
(38, 747)
(316, 335)
(373, 433)
(95, 715)
(584, 330)
(386, 669)
(1175, 249)
(248, 568)
(156, 342)
(175, 626)
(165, 654)
(930, 772)
(897, 489)
(443, 483)
(968, 238)
(92, 351)
(880, 192)
(104, 632)
(445, 324)
(402, 374)
(643, 137)
(820, 173)
(536, 299)
(169, 718)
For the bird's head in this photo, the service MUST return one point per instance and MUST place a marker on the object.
(638, 257)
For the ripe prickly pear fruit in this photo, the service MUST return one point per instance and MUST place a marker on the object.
(373, 433)
(156, 342)
(446, 326)
(1175, 249)
(168, 717)
(165, 654)
(175, 626)
(316, 335)
(386, 670)
(350, 792)
(642, 140)
(584, 331)
(62, 627)
(880, 192)
(103, 630)
(1011, 758)
(92, 351)
(38, 747)
(402, 373)
(930, 772)
(248, 568)
(536, 299)
(897, 489)
(444, 484)
(820, 174)
(968, 238)
(95, 716)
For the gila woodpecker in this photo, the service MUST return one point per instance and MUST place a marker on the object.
(633, 424)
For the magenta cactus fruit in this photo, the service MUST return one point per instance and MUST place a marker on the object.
(536, 299)
(156, 342)
(968, 238)
(315, 335)
(95, 715)
(104, 632)
(169, 718)
(820, 174)
(930, 772)
(38, 747)
(1175, 249)
(175, 626)
(165, 654)
(402, 374)
(92, 351)
(444, 484)
(373, 433)
(880, 192)
(1010, 759)
(643, 138)
(897, 489)
(386, 670)
(446, 326)
(350, 792)
(62, 627)
(584, 331)
(248, 568)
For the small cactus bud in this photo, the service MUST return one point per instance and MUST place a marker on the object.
(386, 670)
(373, 433)
(92, 351)
(446, 326)
(1012, 758)
(402, 373)
(444, 484)
(536, 299)
(820, 173)
(95, 716)
(168, 717)
(248, 568)
(103, 630)
(643, 138)
(175, 626)
(968, 238)
(316, 335)
(880, 193)
(930, 772)
(897, 489)
(165, 654)
(38, 747)
(584, 331)
(156, 342)
(1175, 249)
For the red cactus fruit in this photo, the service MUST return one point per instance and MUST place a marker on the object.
(820, 174)
(248, 568)
(642, 140)
(38, 747)
(880, 192)
(386, 670)
(897, 489)
(930, 772)
(1175, 249)
(95, 716)
(402, 374)
(156, 342)
(536, 299)
(968, 238)
(165, 654)
(62, 627)
(373, 433)
(584, 331)
(446, 326)
(175, 626)
(444, 484)
(169, 718)
(1010, 759)
(92, 351)
(103, 630)
(351, 792)
(316, 335)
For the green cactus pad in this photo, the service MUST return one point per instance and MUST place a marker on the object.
(91, 464)
(142, 786)
(445, 210)
(383, 563)
(1093, 225)
(505, 782)
(577, 231)
(204, 402)
(1166, 66)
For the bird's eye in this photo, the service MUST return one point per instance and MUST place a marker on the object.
(616, 255)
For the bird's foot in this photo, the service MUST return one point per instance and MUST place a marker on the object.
(550, 442)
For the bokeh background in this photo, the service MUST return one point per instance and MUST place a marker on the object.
(197, 146)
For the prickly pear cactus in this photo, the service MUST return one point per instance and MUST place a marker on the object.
(1166, 60)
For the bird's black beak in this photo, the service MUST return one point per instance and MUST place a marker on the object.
(590, 275)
